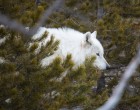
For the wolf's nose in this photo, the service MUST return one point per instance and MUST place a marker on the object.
(108, 67)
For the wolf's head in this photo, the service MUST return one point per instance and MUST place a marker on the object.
(97, 50)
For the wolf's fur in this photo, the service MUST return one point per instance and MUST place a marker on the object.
(77, 44)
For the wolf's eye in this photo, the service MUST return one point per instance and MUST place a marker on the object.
(97, 54)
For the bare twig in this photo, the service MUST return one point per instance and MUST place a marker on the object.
(118, 91)
(55, 6)
(14, 25)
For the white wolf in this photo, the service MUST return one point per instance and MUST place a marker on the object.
(77, 44)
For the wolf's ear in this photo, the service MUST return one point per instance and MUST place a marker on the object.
(88, 38)
(94, 34)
